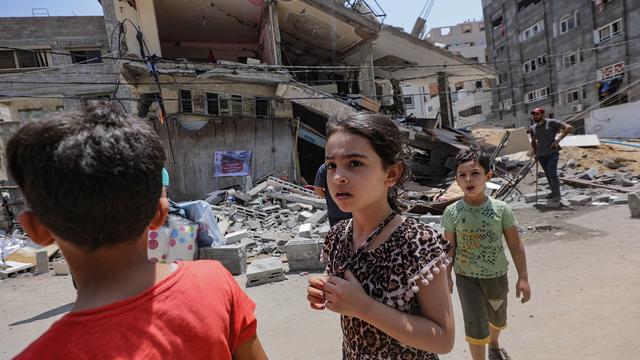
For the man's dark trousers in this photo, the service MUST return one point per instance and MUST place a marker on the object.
(549, 164)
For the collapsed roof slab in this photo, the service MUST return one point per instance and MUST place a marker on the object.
(315, 100)
(326, 24)
(404, 57)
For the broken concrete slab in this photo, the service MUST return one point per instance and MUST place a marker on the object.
(323, 231)
(308, 200)
(233, 257)
(236, 236)
(305, 230)
(253, 224)
(257, 189)
(264, 271)
(304, 216)
(634, 204)
(579, 200)
(294, 207)
(304, 255)
(589, 174)
(619, 200)
(42, 262)
(532, 197)
(318, 217)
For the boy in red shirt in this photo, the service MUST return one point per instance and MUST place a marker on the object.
(93, 183)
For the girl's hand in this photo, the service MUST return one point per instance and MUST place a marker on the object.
(522, 287)
(346, 296)
(315, 292)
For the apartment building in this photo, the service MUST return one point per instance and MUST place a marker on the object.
(566, 56)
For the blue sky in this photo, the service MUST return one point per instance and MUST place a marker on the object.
(401, 13)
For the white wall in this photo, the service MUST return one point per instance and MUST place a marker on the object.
(620, 121)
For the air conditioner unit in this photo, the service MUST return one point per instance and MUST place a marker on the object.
(576, 108)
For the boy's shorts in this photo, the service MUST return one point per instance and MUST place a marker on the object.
(484, 304)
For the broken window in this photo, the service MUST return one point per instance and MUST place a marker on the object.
(534, 64)
(213, 108)
(235, 106)
(186, 102)
(408, 102)
(6, 60)
(445, 31)
(263, 107)
(498, 24)
(537, 95)
(532, 31)
(466, 28)
(16, 59)
(523, 4)
(86, 56)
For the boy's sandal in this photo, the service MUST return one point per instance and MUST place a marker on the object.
(498, 354)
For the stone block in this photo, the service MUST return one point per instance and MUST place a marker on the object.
(579, 200)
(634, 204)
(304, 254)
(42, 262)
(264, 271)
(620, 200)
(324, 230)
(294, 207)
(236, 236)
(589, 174)
(233, 257)
(61, 268)
(531, 197)
(253, 224)
(305, 230)
(318, 217)
(304, 216)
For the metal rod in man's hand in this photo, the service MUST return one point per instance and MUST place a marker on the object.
(536, 180)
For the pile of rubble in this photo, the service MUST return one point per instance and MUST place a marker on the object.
(273, 219)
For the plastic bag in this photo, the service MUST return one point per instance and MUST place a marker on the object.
(200, 212)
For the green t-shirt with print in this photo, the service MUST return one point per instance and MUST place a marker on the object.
(479, 231)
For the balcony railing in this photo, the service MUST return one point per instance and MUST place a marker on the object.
(367, 8)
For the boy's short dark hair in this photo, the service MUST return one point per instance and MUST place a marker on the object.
(473, 155)
(92, 178)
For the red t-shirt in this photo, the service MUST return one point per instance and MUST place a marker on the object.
(197, 312)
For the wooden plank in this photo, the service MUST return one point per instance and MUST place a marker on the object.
(593, 184)
(28, 254)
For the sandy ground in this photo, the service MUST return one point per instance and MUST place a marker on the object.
(584, 277)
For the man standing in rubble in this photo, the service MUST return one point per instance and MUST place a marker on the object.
(321, 189)
(546, 147)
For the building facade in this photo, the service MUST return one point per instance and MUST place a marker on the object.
(566, 56)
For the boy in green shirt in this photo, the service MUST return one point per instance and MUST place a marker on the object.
(475, 226)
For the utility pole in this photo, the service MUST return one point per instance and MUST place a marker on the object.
(446, 111)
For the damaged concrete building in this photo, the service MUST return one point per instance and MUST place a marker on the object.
(260, 76)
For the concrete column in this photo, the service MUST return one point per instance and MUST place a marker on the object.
(367, 74)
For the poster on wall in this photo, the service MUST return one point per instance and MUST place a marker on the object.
(232, 163)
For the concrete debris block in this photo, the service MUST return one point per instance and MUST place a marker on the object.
(571, 163)
(579, 200)
(294, 207)
(248, 243)
(253, 224)
(268, 236)
(238, 217)
(270, 209)
(233, 257)
(553, 204)
(616, 200)
(307, 207)
(304, 255)
(236, 236)
(42, 262)
(314, 201)
(324, 230)
(318, 217)
(285, 212)
(257, 189)
(264, 271)
(244, 197)
(531, 197)
(61, 268)
(543, 227)
(305, 230)
(236, 227)
(292, 223)
(267, 248)
(589, 174)
(304, 215)
(602, 198)
(634, 204)
(430, 219)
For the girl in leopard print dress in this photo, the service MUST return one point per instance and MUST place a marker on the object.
(386, 274)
